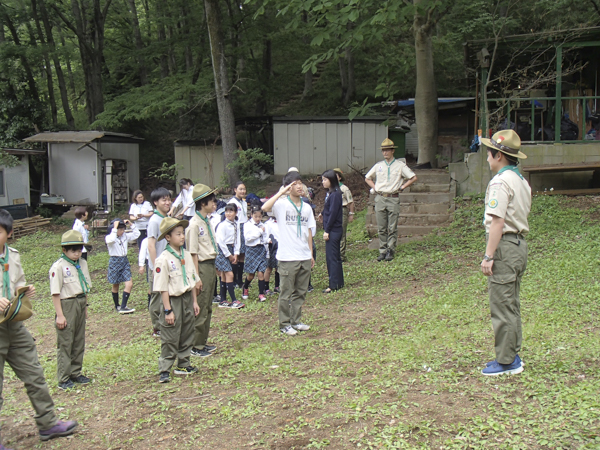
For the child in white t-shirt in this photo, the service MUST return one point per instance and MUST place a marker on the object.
(295, 220)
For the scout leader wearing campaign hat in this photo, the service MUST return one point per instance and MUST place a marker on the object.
(201, 242)
(175, 277)
(388, 178)
(69, 284)
(507, 206)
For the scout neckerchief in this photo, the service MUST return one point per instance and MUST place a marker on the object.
(181, 259)
(298, 215)
(210, 233)
(515, 169)
(5, 275)
(158, 214)
(85, 287)
(388, 166)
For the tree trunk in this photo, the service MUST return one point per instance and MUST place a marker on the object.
(69, 72)
(161, 35)
(261, 105)
(24, 62)
(47, 66)
(343, 77)
(62, 86)
(139, 44)
(224, 105)
(351, 91)
(426, 101)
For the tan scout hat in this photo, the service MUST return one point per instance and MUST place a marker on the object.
(388, 144)
(200, 191)
(340, 173)
(507, 142)
(168, 223)
(72, 237)
(19, 308)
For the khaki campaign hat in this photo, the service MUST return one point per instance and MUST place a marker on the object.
(168, 223)
(19, 308)
(200, 191)
(340, 173)
(72, 237)
(507, 142)
(388, 144)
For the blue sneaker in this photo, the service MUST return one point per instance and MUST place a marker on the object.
(516, 358)
(498, 369)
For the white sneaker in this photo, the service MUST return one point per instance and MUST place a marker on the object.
(289, 331)
(301, 327)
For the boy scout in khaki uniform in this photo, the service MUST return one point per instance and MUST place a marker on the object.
(69, 284)
(348, 211)
(202, 244)
(17, 347)
(388, 178)
(175, 277)
(507, 205)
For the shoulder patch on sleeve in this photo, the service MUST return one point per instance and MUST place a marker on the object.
(493, 203)
(158, 270)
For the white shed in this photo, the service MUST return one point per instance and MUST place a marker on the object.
(14, 180)
(199, 161)
(315, 144)
(92, 167)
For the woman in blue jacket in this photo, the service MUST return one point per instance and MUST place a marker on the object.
(332, 226)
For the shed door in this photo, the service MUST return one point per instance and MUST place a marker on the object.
(358, 145)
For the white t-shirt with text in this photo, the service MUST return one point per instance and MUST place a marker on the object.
(291, 246)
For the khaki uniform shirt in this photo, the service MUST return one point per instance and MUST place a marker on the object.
(197, 238)
(64, 279)
(346, 195)
(508, 196)
(389, 181)
(168, 274)
(15, 272)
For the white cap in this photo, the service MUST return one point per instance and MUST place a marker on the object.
(293, 169)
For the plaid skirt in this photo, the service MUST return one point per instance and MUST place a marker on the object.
(242, 240)
(223, 264)
(256, 259)
(272, 262)
(119, 270)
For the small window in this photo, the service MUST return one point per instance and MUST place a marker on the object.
(2, 183)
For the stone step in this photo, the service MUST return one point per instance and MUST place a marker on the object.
(424, 219)
(412, 230)
(432, 176)
(426, 197)
(425, 208)
(419, 187)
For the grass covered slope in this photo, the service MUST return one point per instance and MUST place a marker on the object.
(391, 361)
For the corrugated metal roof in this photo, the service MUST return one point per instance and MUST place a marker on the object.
(24, 151)
(78, 136)
(332, 119)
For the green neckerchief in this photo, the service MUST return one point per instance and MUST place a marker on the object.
(212, 239)
(181, 259)
(158, 214)
(515, 169)
(298, 215)
(386, 163)
(341, 184)
(85, 287)
(5, 275)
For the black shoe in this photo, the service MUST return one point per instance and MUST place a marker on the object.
(165, 377)
(200, 352)
(66, 385)
(81, 379)
(389, 255)
(381, 256)
(310, 288)
(210, 348)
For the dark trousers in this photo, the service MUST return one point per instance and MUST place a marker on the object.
(334, 260)
(143, 234)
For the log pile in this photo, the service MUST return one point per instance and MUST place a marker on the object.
(23, 227)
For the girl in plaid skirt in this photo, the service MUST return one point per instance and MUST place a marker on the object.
(228, 241)
(256, 253)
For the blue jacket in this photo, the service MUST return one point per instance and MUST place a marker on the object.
(333, 214)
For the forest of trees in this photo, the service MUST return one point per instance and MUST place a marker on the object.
(166, 70)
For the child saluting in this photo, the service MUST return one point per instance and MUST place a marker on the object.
(69, 285)
(175, 277)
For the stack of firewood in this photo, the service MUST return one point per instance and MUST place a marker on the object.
(23, 227)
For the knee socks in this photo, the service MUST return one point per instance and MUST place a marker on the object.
(240, 273)
(276, 279)
(261, 287)
(223, 291)
(218, 282)
(267, 286)
(116, 299)
(247, 283)
(231, 291)
(125, 298)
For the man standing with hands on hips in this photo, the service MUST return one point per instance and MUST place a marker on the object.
(507, 205)
(388, 178)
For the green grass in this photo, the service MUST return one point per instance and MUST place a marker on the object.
(392, 361)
